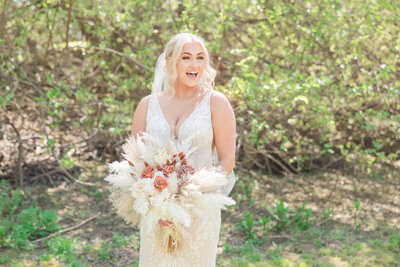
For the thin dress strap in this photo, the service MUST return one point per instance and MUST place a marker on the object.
(207, 100)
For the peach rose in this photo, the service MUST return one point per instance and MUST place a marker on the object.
(160, 183)
(185, 170)
(148, 172)
(167, 169)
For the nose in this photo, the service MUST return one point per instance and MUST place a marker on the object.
(194, 62)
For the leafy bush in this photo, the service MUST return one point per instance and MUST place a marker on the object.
(313, 83)
(18, 224)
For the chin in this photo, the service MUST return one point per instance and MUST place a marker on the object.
(191, 83)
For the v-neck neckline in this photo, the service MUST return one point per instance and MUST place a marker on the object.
(180, 127)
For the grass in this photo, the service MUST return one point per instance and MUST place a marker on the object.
(289, 233)
(375, 252)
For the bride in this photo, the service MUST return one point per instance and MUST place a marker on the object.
(183, 105)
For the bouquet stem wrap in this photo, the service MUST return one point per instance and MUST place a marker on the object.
(171, 238)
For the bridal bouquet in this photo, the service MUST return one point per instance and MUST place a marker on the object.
(159, 179)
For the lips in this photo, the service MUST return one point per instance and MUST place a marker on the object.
(192, 74)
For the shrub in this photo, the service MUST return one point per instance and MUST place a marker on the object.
(19, 224)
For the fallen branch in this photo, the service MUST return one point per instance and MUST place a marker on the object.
(86, 183)
(67, 229)
(46, 174)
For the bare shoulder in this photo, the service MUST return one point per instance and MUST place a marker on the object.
(219, 102)
(139, 117)
(141, 109)
(143, 104)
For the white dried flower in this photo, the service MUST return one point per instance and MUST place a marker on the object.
(177, 165)
(161, 157)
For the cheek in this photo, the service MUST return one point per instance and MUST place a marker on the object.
(182, 67)
(202, 67)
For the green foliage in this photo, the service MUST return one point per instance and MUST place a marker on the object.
(103, 252)
(60, 246)
(356, 215)
(280, 214)
(394, 243)
(302, 218)
(250, 252)
(10, 200)
(264, 222)
(4, 259)
(326, 213)
(305, 102)
(275, 255)
(244, 192)
(312, 83)
(248, 224)
(282, 219)
(18, 224)
(64, 249)
(98, 194)
(120, 240)
(67, 162)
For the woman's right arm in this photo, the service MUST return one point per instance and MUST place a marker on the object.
(139, 117)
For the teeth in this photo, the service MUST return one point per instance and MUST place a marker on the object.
(192, 72)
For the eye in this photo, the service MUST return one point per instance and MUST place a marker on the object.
(200, 57)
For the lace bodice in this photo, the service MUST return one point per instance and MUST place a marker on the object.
(196, 129)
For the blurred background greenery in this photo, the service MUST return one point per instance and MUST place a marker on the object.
(315, 84)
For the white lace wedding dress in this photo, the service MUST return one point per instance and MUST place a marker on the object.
(199, 247)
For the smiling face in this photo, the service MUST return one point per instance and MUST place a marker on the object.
(190, 65)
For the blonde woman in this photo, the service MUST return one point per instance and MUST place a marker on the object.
(183, 104)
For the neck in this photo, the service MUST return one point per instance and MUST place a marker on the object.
(182, 93)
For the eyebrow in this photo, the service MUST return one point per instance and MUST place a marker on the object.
(190, 53)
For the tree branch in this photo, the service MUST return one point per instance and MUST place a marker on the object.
(68, 22)
(118, 53)
(3, 20)
(20, 155)
(68, 229)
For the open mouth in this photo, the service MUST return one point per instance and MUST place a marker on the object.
(192, 74)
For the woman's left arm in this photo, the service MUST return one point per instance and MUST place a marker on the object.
(224, 125)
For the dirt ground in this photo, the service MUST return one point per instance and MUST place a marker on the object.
(379, 199)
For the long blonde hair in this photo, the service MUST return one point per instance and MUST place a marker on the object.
(166, 74)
